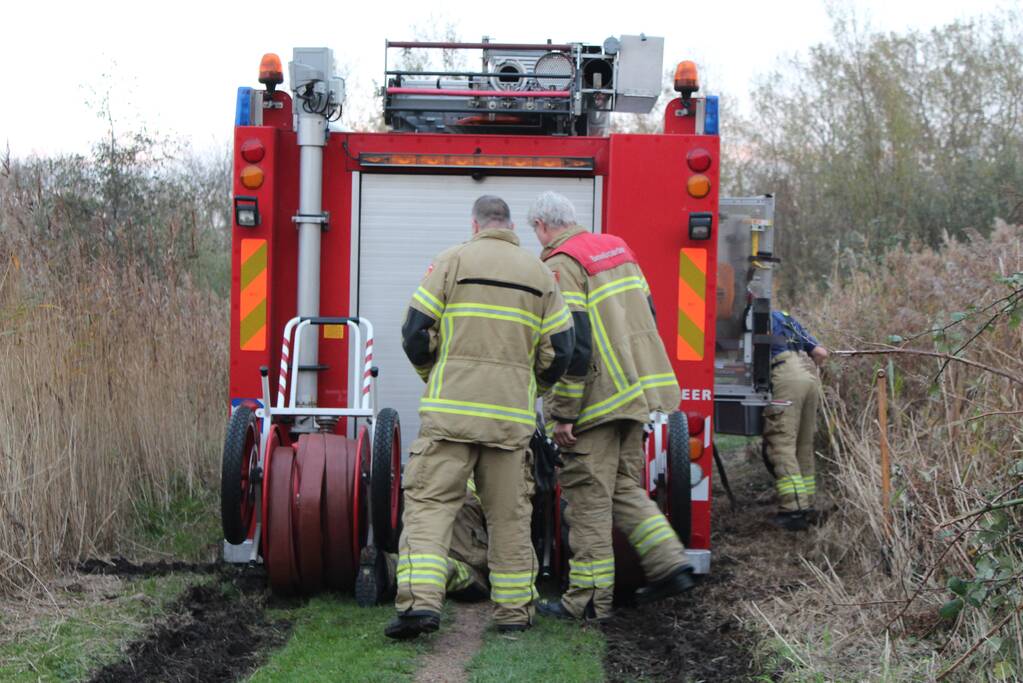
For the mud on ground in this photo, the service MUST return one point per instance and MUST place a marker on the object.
(215, 631)
(709, 634)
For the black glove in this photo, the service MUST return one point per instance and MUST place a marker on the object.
(546, 458)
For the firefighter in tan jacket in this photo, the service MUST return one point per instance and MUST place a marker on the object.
(487, 329)
(618, 375)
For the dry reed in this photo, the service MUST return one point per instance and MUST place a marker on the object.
(112, 377)
(872, 613)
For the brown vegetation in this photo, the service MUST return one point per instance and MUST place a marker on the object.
(908, 601)
(113, 363)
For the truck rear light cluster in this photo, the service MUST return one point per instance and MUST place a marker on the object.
(698, 186)
(698, 160)
(478, 161)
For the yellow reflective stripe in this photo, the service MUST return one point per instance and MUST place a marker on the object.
(484, 406)
(611, 403)
(447, 331)
(785, 485)
(655, 529)
(609, 562)
(646, 286)
(614, 283)
(606, 352)
(418, 573)
(512, 598)
(423, 560)
(664, 379)
(559, 319)
(615, 287)
(428, 305)
(493, 315)
(507, 578)
(574, 299)
(532, 317)
(655, 540)
(439, 405)
(569, 390)
(644, 526)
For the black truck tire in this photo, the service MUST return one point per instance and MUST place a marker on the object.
(680, 490)
(385, 481)
(237, 490)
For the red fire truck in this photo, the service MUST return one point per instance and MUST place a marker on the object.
(333, 230)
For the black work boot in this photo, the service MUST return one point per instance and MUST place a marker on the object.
(374, 583)
(554, 609)
(590, 614)
(675, 583)
(412, 624)
(794, 520)
(513, 628)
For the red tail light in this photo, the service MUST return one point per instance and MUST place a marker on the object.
(695, 421)
(252, 150)
(698, 159)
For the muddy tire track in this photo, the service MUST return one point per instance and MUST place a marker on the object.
(217, 630)
(702, 636)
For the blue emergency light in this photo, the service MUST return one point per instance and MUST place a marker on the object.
(243, 107)
(710, 115)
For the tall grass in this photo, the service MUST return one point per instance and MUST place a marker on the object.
(873, 611)
(113, 360)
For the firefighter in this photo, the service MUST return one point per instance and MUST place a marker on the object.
(790, 420)
(619, 373)
(487, 329)
(466, 578)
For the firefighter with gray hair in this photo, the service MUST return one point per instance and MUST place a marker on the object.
(618, 375)
(486, 329)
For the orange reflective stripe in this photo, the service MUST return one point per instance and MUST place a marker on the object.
(692, 304)
(252, 295)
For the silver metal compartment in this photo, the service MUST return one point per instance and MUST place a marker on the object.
(746, 238)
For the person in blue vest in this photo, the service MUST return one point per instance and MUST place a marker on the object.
(790, 420)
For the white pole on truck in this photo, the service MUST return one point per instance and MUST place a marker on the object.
(318, 96)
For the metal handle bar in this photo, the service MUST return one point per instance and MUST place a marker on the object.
(293, 330)
(484, 74)
(481, 46)
(479, 93)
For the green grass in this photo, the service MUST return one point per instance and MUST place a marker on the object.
(334, 640)
(186, 530)
(730, 442)
(87, 635)
(550, 651)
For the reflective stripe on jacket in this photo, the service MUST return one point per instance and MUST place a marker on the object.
(486, 329)
(628, 374)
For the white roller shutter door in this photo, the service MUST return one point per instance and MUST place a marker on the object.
(404, 220)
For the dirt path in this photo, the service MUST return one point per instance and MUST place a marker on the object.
(459, 641)
(705, 636)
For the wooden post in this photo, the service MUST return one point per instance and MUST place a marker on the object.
(886, 481)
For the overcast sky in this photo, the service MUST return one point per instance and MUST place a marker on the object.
(174, 67)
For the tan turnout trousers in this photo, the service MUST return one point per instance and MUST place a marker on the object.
(467, 557)
(788, 429)
(601, 483)
(435, 481)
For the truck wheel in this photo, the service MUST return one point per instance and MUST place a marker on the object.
(680, 488)
(386, 499)
(237, 488)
